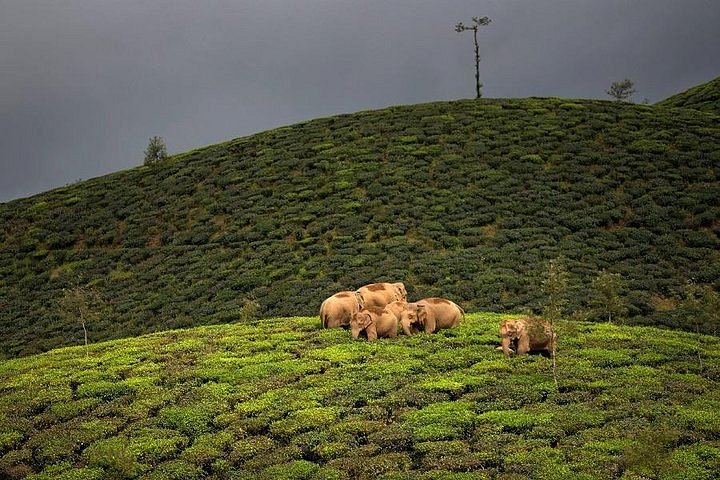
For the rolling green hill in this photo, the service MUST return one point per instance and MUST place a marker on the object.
(283, 399)
(466, 199)
(704, 97)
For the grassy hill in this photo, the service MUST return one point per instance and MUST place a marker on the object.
(704, 97)
(281, 398)
(464, 199)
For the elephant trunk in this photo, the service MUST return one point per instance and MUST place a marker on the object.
(355, 331)
(506, 346)
(405, 322)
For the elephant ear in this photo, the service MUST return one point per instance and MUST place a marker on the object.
(364, 320)
(521, 327)
(509, 328)
(360, 300)
(401, 293)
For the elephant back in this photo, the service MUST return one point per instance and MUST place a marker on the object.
(337, 309)
(381, 294)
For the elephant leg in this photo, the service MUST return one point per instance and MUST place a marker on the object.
(523, 345)
(506, 346)
(406, 327)
(371, 331)
(430, 325)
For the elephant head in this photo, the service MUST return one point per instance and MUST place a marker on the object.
(510, 331)
(413, 318)
(360, 321)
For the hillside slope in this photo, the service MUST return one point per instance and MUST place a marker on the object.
(283, 399)
(704, 97)
(465, 199)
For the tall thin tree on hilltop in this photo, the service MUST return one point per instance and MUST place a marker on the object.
(460, 27)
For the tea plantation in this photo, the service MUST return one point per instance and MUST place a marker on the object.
(281, 398)
(467, 199)
(705, 97)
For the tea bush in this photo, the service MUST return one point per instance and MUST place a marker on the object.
(470, 209)
(318, 404)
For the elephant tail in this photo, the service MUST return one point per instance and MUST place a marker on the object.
(323, 316)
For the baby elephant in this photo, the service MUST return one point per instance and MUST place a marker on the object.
(528, 335)
(375, 322)
(432, 314)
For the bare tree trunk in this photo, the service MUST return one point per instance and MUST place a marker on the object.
(477, 64)
(554, 347)
(554, 366)
(87, 350)
(697, 330)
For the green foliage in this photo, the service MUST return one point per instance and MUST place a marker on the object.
(282, 398)
(475, 198)
(621, 91)
(155, 151)
(191, 420)
(554, 288)
(608, 302)
(114, 457)
(704, 97)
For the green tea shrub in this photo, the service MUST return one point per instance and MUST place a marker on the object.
(66, 471)
(515, 420)
(153, 445)
(277, 456)
(247, 448)
(114, 456)
(441, 421)
(208, 448)
(303, 420)
(191, 420)
(448, 475)
(104, 390)
(175, 470)
(297, 470)
(606, 358)
(537, 461)
(9, 438)
(334, 449)
(392, 438)
(436, 449)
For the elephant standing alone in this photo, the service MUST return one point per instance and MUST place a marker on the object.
(529, 334)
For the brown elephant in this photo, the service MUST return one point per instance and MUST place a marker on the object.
(375, 322)
(528, 334)
(433, 314)
(380, 294)
(337, 310)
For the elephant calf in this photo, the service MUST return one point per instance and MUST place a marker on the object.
(432, 314)
(375, 322)
(337, 310)
(529, 335)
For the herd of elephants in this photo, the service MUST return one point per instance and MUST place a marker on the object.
(379, 309)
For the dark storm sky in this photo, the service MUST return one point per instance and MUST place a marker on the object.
(85, 83)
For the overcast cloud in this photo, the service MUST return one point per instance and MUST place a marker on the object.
(85, 83)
